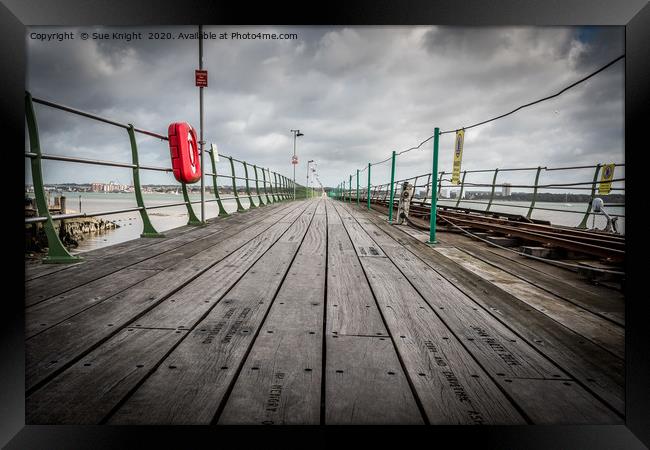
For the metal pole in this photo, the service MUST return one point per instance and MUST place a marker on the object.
(294, 165)
(434, 196)
(532, 202)
(56, 251)
(350, 196)
(392, 189)
(494, 181)
(357, 187)
(368, 186)
(583, 223)
(201, 126)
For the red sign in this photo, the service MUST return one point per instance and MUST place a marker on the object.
(294, 160)
(201, 78)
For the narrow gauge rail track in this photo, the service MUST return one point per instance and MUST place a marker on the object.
(608, 246)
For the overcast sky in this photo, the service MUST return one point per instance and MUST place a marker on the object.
(357, 93)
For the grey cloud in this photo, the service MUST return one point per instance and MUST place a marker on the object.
(356, 92)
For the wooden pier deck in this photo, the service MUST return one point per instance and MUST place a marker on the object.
(318, 312)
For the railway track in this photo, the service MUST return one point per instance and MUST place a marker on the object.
(605, 246)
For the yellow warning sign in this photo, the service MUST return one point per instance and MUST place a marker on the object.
(606, 177)
(458, 156)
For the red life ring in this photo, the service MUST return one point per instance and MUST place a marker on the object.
(184, 151)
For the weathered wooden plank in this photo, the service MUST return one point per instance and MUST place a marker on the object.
(191, 383)
(53, 311)
(35, 269)
(186, 306)
(70, 339)
(600, 331)
(451, 386)
(365, 383)
(603, 304)
(499, 351)
(89, 294)
(44, 287)
(285, 387)
(595, 368)
(351, 308)
(558, 402)
(87, 391)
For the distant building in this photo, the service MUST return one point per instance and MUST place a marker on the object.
(506, 189)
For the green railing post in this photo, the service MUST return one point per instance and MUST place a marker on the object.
(275, 187)
(583, 223)
(266, 192)
(368, 186)
(532, 202)
(357, 187)
(56, 251)
(257, 186)
(392, 189)
(215, 184)
(147, 230)
(434, 197)
(494, 181)
(462, 187)
(240, 208)
(350, 186)
(248, 188)
(426, 192)
(192, 219)
(273, 197)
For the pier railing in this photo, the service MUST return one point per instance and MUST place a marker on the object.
(364, 192)
(261, 183)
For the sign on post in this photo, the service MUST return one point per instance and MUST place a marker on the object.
(294, 160)
(607, 175)
(458, 156)
(201, 78)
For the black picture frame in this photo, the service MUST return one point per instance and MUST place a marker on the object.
(15, 15)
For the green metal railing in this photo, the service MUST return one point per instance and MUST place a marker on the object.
(387, 193)
(273, 188)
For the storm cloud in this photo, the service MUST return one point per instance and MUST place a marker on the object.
(357, 93)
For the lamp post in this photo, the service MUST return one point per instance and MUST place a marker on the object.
(294, 161)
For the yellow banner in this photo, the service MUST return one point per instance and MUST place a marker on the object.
(606, 177)
(458, 156)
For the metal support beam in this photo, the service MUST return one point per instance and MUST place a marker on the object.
(494, 181)
(392, 188)
(56, 251)
(248, 188)
(434, 197)
(240, 208)
(257, 186)
(222, 210)
(583, 223)
(192, 219)
(147, 230)
(532, 202)
(369, 186)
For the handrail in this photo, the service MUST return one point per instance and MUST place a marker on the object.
(57, 253)
(380, 192)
